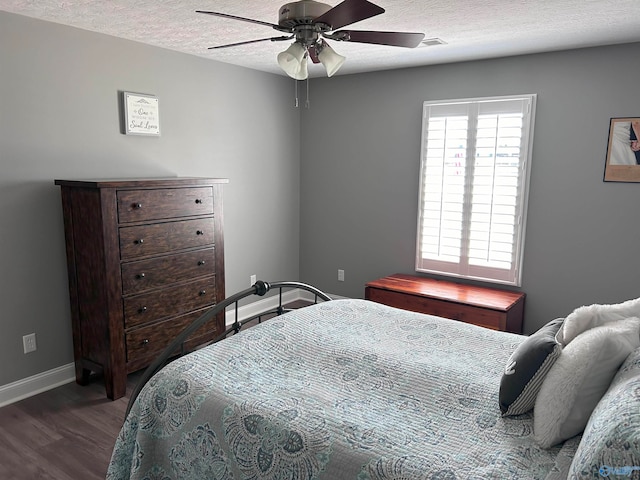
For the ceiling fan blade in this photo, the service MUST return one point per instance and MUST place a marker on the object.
(396, 39)
(348, 12)
(243, 19)
(273, 39)
(313, 54)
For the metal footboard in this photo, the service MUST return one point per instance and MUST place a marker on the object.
(259, 288)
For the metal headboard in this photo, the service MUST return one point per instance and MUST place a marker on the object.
(259, 288)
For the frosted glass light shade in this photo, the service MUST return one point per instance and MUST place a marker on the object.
(303, 73)
(331, 60)
(294, 61)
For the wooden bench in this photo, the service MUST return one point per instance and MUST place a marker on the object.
(488, 307)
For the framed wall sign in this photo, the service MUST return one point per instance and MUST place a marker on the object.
(141, 114)
(623, 150)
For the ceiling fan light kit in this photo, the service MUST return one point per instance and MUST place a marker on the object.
(331, 60)
(294, 61)
(310, 22)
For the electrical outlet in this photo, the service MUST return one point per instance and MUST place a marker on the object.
(252, 280)
(29, 343)
(340, 275)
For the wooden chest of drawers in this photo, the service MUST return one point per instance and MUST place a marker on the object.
(487, 307)
(145, 258)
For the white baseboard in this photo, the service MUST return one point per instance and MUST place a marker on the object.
(262, 305)
(269, 303)
(27, 387)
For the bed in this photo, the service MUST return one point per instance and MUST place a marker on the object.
(343, 389)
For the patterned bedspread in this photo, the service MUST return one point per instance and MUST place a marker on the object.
(346, 389)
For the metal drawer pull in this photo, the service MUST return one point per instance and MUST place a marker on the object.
(140, 275)
(199, 232)
(138, 205)
(203, 292)
(198, 201)
(145, 341)
(139, 241)
(200, 262)
(142, 309)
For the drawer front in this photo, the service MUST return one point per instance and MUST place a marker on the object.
(146, 240)
(143, 205)
(159, 272)
(144, 344)
(466, 313)
(172, 301)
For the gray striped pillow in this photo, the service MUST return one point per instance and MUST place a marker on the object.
(526, 368)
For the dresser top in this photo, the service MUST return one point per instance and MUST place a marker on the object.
(140, 182)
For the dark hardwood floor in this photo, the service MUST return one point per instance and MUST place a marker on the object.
(67, 433)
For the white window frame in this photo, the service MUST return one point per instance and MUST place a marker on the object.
(462, 268)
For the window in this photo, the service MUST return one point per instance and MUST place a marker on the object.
(474, 176)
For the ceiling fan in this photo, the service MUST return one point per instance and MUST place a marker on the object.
(309, 22)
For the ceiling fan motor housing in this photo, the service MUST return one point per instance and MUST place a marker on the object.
(303, 12)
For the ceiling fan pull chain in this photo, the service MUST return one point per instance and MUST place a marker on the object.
(296, 84)
(307, 104)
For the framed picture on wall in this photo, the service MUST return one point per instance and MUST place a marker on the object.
(623, 150)
(141, 114)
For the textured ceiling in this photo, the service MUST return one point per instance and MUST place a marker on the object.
(472, 29)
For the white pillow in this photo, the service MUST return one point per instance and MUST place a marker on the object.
(579, 378)
(584, 318)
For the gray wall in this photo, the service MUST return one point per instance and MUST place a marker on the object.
(360, 165)
(349, 203)
(59, 118)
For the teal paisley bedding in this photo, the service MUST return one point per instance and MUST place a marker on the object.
(347, 389)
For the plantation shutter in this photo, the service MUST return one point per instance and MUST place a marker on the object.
(473, 187)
